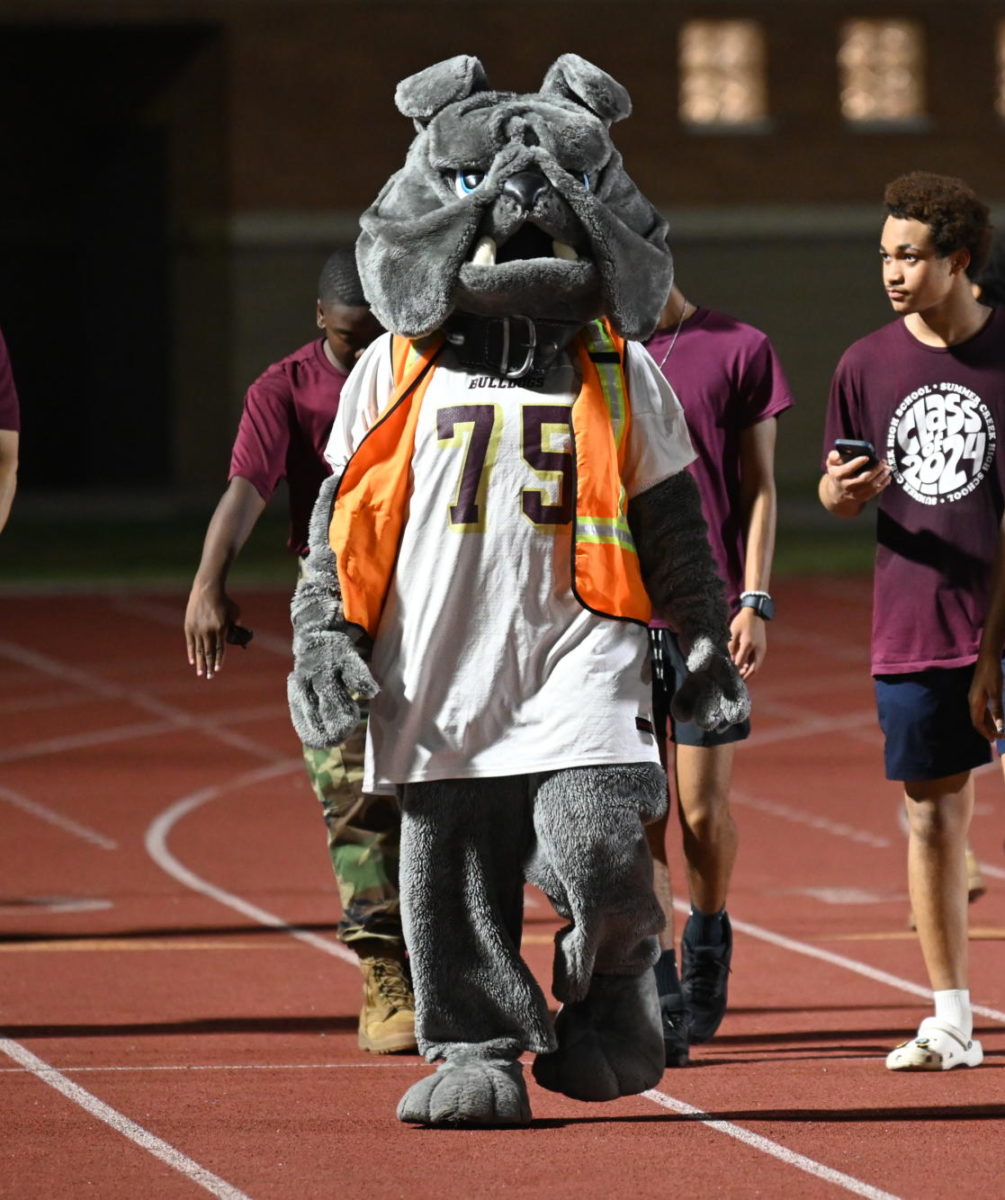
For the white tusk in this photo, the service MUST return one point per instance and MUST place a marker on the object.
(485, 253)
(563, 250)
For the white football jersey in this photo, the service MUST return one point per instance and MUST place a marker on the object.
(487, 663)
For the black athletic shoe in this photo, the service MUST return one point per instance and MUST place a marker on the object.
(673, 1015)
(675, 1037)
(704, 978)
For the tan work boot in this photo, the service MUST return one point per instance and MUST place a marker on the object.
(387, 1019)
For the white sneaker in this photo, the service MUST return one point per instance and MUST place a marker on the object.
(935, 1047)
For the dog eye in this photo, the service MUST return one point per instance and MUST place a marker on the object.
(585, 180)
(465, 182)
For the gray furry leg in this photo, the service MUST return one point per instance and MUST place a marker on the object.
(478, 1007)
(593, 861)
(475, 1085)
(610, 1044)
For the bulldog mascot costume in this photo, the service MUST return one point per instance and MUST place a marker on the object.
(508, 508)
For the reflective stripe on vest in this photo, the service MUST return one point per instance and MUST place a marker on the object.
(372, 496)
(607, 578)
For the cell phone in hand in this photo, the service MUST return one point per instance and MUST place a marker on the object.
(849, 448)
(237, 635)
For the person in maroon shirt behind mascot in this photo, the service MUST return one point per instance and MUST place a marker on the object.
(10, 433)
(927, 392)
(732, 389)
(287, 417)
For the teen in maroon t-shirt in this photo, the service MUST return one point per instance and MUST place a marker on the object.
(928, 392)
(732, 388)
(284, 428)
(288, 413)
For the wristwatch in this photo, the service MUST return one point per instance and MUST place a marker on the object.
(760, 602)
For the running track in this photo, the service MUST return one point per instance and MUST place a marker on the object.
(176, 1018)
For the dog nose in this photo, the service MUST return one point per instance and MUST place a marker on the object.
(526, 187)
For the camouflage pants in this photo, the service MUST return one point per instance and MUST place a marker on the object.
(363, 834)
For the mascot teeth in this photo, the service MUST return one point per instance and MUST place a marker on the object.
(485, 253)
(563, 250)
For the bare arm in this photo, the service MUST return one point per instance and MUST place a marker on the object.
(986, 688)
(210, 610)
(748, 642)
(679, 574)
(9, 442)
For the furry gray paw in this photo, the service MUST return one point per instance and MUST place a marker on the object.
(713, 695)
(610, 1044)
(473, 1092)
(320, 720)
(327, 671)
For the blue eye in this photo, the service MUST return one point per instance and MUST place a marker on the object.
(585, 180)
(465, 182)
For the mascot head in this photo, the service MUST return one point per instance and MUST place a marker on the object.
(513, 206)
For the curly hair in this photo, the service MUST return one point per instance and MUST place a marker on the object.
(992, 276)
(339, 282)
(951, 210)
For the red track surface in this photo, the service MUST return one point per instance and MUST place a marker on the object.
(176, 1017)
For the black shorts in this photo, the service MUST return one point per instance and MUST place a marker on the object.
(669, 672)
(925, 718)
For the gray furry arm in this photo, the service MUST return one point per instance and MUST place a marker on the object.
(680, 576)
(329, 670)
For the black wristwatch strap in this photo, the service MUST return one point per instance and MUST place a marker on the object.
(760, 602)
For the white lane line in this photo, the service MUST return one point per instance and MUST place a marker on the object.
(156, 844)
(120, 1123)
(766, 1146)
(85, 741)
(178, 717)
(814, 726)
(393, 1064)
(44, 813)
(164, 614)
(840, 960)
(800, 817)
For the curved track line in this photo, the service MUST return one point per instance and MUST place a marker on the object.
(156, 845)
(121, 1124)
(766, 1146)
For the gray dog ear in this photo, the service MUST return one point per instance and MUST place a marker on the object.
(576, 79)
(421, 96)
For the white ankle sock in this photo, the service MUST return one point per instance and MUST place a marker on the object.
(953, 1007)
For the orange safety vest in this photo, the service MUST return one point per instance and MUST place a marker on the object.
(372, 495)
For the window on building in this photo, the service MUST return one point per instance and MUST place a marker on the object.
(881, 63)
(722, 75)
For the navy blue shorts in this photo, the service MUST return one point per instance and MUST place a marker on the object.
(925, 717)
(669, 672)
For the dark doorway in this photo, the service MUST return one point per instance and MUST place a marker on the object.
(86, 235)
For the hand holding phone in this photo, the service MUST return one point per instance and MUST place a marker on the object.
(849, 448)
(237, 635)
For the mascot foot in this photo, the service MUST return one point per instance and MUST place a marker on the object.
(470, 1092)
(610, 1044)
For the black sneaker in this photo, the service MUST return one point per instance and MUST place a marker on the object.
(673, 1014)
(673, 1018)
(704, 977)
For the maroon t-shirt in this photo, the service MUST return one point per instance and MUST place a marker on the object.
(288, 415)
(727, 377)
(10, 410)
(933, 413)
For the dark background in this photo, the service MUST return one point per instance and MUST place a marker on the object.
(177, 172)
